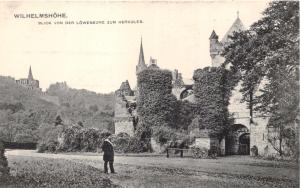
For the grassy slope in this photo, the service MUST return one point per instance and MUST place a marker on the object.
(38, 172)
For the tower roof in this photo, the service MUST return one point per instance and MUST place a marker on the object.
(30, 77)
(141, 56)
(153, 64)
(237, 26)
(213, 35)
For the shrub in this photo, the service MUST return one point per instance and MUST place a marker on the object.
(41, 147)
(164, 134)
(254, 151)
(24, 138)
(213, 152)
(125, 144)
(76, 138)
(4, 169)
(199, 152)
(49, 138)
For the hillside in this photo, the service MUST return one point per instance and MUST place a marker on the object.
(90, 108)
(24, 112)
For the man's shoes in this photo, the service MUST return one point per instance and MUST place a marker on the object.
(106, 172)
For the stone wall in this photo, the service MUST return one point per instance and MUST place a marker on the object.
(258, 137)
(157, 147)
(203, 142)
(240, 112)
(124, 127)
(123, 120)
(207, 142)
(217, 61)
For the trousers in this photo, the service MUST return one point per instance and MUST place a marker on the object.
(111, 166)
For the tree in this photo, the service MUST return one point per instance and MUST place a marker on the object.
(58, 120)
(4, 169)
(94, 108)
(266, 56)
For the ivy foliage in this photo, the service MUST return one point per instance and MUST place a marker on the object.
(156, 106)
(212, 91)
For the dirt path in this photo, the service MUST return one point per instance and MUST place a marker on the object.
(234, 171)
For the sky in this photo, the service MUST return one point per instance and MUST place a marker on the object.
(99, 57)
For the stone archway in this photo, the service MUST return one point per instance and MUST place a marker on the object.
(188, 90)
(244, 144)
(238, 140)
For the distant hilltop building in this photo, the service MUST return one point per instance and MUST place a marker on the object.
(29, 82)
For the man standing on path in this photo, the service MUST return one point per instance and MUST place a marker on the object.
(108, 156)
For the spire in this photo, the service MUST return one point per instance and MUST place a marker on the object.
(141, 64)
(30, 77)
(213, 35)
(141, 57)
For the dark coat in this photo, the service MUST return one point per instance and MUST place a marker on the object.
(108, 150)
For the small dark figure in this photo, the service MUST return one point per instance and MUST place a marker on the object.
(108, 156)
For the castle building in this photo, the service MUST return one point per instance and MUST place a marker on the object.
(29, 82)
(246, 131)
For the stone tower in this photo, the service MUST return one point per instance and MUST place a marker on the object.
(216, 46)
(215, 50)
(141, 63)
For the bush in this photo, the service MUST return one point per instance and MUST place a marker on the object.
(213, 152)
(76, 138)
(173, 137)
(24, 138)
(199, 152)
(41, 147)
(164, 134)
(4, 169)
(49, 138)
(254, 151)
(125, 144)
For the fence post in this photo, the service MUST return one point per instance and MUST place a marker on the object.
(181, 154)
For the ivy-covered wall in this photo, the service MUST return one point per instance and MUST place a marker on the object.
(212, 90)
(156, 105)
